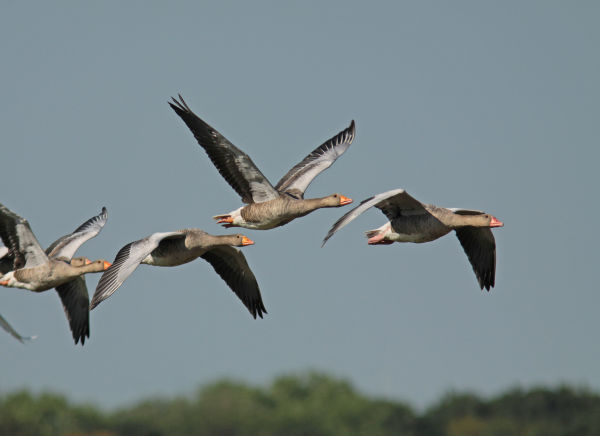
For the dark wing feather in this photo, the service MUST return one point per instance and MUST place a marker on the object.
(17, 236)
(75, 301)
(66, 246)
(396, 204)
(480, 246)
(298, 178)
(6, 260)
(232, 266)
(233, 164)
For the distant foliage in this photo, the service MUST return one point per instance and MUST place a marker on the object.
(308, 404)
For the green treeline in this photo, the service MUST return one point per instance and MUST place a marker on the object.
(309, 404)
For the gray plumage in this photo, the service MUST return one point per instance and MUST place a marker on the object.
(177, 248)
(413, 221)
(27, 259)
(67, 245)
(254, 188)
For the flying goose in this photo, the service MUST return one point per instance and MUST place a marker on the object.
(413, 221)
(38, 271)
(267, 206)
(183, 246)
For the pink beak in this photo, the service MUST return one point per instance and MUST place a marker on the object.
(495, 222)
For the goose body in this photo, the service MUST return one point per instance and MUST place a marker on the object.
(49, 275)
(276, 212)
(267, 206)
(176, 248)
(413, 221)
(29, 267)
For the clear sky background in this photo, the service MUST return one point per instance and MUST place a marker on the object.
(484, 105)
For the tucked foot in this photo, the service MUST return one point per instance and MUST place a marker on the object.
(379, 239)
(225, 220)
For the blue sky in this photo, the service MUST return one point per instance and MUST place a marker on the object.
(482, 105)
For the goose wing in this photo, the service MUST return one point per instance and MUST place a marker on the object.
(299, 177)
(6, 326)
(480, 246)
(75, 300)
(66, 246)
(230, 263)
(391, 203)
(233, 164)
(17, 236)
(127, 260)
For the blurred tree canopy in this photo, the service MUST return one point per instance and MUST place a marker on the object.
(307, 404)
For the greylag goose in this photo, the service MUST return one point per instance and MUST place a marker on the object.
(6, 326)
(183, 246)
(413, 221)
(38, 271)
(267, 206)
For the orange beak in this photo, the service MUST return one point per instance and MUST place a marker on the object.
(495, 222)
(344, 200)
(107, 265)
(225, 220)
(4, 283)
(87, 261)
(247, 241)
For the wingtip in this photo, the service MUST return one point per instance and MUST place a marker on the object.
(259, 310)
(24, 339)
(179, 105)
(80, 337)
(486, 285)
(351, 132)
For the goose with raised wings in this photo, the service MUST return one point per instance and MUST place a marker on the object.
(33, 269)
(267, 206)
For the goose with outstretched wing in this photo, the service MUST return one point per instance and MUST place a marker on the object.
(38, 271)
(266, 206)
(413, 221)
(183, 246)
